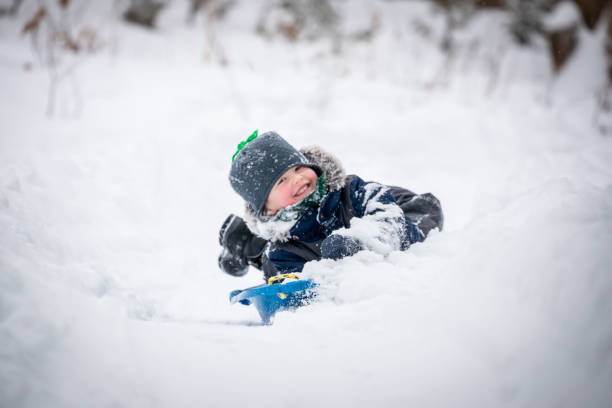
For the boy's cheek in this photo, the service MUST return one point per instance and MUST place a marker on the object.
(287, 197)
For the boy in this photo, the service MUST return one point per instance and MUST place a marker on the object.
(300, 207)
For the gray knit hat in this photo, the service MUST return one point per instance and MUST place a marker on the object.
(260, 163)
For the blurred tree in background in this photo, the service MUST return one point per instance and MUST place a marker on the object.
(528, 20)
(60, 39)
(311, 20)
(298, 19)
(61, 36)
(213, 11)
(11, 8)
(143, 12)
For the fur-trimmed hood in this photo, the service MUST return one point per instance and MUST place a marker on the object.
(279, 230)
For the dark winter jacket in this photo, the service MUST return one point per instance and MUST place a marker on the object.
(352, 216)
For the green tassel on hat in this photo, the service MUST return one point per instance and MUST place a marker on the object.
(244, 143)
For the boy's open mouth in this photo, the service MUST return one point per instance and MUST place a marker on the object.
(303, 189)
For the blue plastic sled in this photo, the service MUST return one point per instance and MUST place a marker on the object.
(272, 298)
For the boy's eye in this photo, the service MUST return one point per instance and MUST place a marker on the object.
(298, 168)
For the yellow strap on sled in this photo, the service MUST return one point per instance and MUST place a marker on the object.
(280, 279)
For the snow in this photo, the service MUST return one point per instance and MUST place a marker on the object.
(564, 15)
(110, 294)
(380, 230)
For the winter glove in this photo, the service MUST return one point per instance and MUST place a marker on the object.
(339, 246)
(241, 247)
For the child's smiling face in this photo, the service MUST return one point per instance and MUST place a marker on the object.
(291, 188)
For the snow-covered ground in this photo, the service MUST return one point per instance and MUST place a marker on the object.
(110, 294)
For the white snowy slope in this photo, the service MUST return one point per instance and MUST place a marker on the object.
(110, 294)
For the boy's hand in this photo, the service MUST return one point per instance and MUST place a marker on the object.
(241, 247)
(338, 246)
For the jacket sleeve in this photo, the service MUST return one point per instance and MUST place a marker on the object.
(285, 261)
(379, 223)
